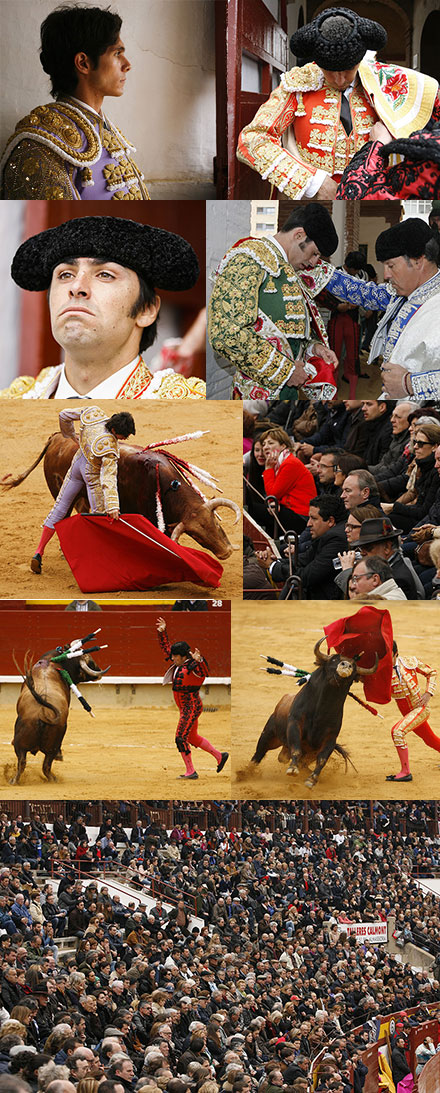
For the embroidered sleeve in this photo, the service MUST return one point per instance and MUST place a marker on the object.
(365, 293)
(233, 311)
(260, 145)
(196, 671)
(66, 420)
(36, 172)
(164, 643)
(429, 674)
(109, 481)
(426, 385)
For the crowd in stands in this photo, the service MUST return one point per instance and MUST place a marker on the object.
(356, 491)
(229, 969)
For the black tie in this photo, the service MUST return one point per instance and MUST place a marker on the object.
(346, 115)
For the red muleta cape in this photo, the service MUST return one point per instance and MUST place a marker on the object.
(368, 631)
(130, 554)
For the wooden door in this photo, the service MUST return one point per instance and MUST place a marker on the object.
(251, 54)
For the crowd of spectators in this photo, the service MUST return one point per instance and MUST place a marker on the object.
(356, 489)
(229, 969)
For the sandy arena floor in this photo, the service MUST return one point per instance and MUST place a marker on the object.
(289, 632)
(25, 427)
(140, 760)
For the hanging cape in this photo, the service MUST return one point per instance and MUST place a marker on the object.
(368, 631)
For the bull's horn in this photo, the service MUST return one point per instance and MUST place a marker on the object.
(91, 671)
(367, 671)
(320, 656)
(218, 502)
(178, 531)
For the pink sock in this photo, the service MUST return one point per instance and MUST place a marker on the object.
(46, 536)
(404, 762)
(200, 742)
(187, 759)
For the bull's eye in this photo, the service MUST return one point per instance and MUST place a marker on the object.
(175, 485)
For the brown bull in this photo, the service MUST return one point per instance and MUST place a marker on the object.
(184, 510)
(43, 707)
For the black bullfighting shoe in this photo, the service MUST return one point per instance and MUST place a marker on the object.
(36, 563)
(394, 778)
(189, 777)
(223, 760)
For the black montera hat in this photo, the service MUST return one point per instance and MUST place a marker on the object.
(408, 238)
(337, 39)
(318, 226)
(163, 259)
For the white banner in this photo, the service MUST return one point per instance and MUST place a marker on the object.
(375, 932)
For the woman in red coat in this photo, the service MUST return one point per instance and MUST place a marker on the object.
(287, 479)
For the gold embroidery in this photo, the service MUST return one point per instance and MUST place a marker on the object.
(134, 194)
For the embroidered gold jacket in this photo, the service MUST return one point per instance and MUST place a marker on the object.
(406, 689)
(63, 150)
(298, 130)
(141, 384)
(262, 316)
(98, 446)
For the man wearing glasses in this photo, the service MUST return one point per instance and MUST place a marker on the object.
(373, 577)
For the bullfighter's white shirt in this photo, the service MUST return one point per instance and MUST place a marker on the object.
(108, 388)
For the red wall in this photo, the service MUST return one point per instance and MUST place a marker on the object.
(133, 648)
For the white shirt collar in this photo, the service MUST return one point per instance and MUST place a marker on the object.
(85, 106)
(108, 388)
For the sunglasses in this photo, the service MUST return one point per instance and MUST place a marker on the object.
(421, 443)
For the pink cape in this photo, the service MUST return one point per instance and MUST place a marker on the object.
(368, 631)
(130, 553)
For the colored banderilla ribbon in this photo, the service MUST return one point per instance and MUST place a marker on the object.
(75, 649)
(302, 676)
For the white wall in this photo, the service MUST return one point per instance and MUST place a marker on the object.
(226, 221)
(168, 108)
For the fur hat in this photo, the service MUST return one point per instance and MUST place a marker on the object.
(163, 259)
(408, 238)
(337, 39)
(317, 224)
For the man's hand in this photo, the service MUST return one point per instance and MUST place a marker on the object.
(113, 514)
(196, 655)
(380, 132)
(393, 376)
(297, 377)
(327, 189)
(160, 624)
(265, 557)
(423, 701)
(347, 559)
(327, 354)
(305, 450)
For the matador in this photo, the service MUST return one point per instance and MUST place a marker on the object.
(95, 465)
(412, 704)
(186, 675)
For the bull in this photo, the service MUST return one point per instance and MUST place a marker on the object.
(307, 725)
(139, 473)
(43, 707)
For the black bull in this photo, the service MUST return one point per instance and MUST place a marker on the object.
(307, 725)
(43, 707)
(184, 509)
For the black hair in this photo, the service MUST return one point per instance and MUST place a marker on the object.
(328, 506)
(355, 259)
(180, 649)
(379, 566)
(122, 423)
(145, 297)
(71, 30)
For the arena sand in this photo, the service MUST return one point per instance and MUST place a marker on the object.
(128, 753)
(25, 427)
(289, 631)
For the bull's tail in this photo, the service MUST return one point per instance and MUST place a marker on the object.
(9, 483)
(345, 755)
(29, 681)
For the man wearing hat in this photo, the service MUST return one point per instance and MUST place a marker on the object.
(408, 334)
(413, 706)
(304, 137)
(262, 316)
(378, 537)
(69, 148)
(102, 273)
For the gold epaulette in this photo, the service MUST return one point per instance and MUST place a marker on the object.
(22, 384)
(308, 78)
(176, 386)
(62, 127)
(262, 251)
(408, 662)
